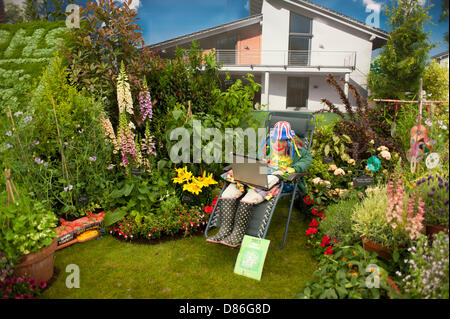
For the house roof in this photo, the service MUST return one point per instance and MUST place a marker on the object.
(440, 56)
(208, 32)
(379, 36)
(313, 7)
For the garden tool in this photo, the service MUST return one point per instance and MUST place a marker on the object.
(226, 208)
(241, 222)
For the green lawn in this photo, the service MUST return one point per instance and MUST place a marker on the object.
(186, 268)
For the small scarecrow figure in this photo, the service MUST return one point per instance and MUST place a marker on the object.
(285, 154)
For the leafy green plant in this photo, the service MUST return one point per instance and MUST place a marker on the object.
(165, 223)
(108, 35)
(369, 220)
(338, 221)
(26, 226)
(327, 143)
(427, 277)
(344, 275)
(434, 191)
(402, 60)
(365, 127)
(56, 147)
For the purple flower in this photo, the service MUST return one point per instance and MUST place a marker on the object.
(9, 146)
(18, 113)
(92, 158)
(145, 103)
(9, 133)
(28, 119)
(69, 188)
(35, 143)
(38, 161)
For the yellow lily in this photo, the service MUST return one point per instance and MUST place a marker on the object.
(183, 176)
(193, 187)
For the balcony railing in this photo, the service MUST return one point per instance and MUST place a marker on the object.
(338, 59)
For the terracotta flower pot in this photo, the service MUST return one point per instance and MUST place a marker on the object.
(38, 265)
(435, 229)
(382, 251)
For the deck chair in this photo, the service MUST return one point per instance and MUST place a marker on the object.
(304, 125)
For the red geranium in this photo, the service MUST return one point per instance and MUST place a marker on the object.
(325, 241)
(209, 209)
(329, 251)
(311, 231)
(314, 223)
(307, 200)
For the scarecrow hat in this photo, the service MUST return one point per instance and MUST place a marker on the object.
(282, 131)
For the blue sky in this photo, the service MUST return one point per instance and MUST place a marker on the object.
(166, 19)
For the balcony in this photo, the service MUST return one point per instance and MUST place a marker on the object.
(304, 59)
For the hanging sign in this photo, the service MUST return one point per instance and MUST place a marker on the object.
(250, 261)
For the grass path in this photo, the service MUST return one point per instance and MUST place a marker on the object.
(186, 268)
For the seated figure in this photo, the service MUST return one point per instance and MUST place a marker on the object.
(282, 150)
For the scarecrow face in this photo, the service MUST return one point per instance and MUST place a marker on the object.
(280, 145)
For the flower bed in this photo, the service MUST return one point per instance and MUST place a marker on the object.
(182, 221)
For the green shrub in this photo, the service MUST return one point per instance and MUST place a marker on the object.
(59, 158)
(26, 226)
(338, 221)
(434, 191)
(369, 220)
(25, 50)
(344, 275)
(427, 277)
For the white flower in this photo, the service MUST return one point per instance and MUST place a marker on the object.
(131, 126)
(386, 155)
(382, 148)
(339, 171)
(316, 180)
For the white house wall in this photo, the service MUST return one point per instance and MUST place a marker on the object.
(328, 35)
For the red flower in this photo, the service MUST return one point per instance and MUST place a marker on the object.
(307, 200)
(214, 201)
(325, 241)
(314, 223)
(329, 251)
(311, 231)
(314, 211)
(209, 209)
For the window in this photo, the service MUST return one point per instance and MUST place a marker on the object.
(297, 92)
(226, 50)
(299, 40)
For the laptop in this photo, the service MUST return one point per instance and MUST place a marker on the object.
(251, 171)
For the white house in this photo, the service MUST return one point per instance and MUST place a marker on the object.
(441, 58)
(290, 46)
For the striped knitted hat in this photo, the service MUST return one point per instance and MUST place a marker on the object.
(282, 131)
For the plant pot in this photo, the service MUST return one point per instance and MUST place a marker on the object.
(435, 229)
(382, 251)
(38, 265)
